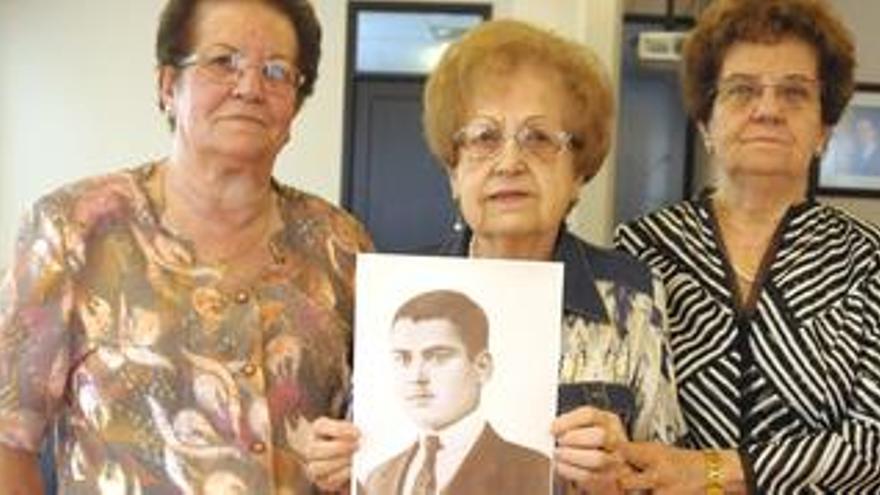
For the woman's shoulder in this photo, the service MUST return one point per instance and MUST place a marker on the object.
(301, 207)
(683, 227)
(92, 199)
(607, 264)
(834, 220)
(673, 217)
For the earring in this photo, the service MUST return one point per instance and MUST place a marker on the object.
(165, 109)
(710, 147)
(458, 220)
(707, 140)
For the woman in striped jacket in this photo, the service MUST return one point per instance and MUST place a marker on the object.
(774, 300)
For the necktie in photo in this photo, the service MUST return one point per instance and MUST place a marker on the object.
(426, 478)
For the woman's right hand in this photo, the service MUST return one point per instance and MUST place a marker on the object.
(330, 451)
(587, 452)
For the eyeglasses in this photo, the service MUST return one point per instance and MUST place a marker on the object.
(225, 65)
(792, 93)
(484, 139)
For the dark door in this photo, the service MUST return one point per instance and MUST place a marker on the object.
(390, 181)
(397, 190)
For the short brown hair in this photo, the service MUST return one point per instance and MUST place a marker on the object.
(501, 47)
(173, 41)
(727, 22)
(461, 311)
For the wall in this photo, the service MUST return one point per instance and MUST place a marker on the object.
(77, 97)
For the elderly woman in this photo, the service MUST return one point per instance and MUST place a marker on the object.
(774, 299)
(520, 119)
(183, 322)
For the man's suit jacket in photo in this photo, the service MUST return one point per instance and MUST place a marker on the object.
(493, 465)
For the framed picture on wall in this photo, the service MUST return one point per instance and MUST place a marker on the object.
(851, 163)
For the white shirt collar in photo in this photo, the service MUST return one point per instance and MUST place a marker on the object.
(455, 443)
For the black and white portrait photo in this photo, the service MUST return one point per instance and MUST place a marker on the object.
(452, 373)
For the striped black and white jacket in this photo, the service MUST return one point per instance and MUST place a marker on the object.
(794, 382)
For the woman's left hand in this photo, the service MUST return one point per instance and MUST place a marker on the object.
(587, 449)
(665, 470)
(331, 448)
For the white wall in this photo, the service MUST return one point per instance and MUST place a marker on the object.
(77, 97)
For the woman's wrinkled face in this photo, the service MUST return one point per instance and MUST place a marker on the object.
(245, 114)
(515, 174)
(767, 115)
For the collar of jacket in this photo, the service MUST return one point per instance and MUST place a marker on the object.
(580, 294)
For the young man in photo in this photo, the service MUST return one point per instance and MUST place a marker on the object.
(439, 344)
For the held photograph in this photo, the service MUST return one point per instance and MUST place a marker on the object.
(851, 163)
(453, 370)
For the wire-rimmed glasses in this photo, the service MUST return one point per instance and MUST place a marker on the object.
(791, 92)
(484, 138)
(224, 65)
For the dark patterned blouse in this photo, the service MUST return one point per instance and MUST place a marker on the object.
(794, 381)
(159, 381)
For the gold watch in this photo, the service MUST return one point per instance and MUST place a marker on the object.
(714, 474)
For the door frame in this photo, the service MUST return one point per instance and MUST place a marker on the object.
(351, 77)
(672, 22)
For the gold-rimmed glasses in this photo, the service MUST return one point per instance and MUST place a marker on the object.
(224, 65)
(791, 92)
(484, 138)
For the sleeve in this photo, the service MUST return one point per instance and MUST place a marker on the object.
(844, 457)
(35, 306)
(660, 418)
(628, 240)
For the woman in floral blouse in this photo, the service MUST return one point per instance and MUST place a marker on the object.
(180, 324)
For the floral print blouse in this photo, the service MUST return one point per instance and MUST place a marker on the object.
(155, 378)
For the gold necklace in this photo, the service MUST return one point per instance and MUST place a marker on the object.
(730, 232)
(245, 246)
(742, 274)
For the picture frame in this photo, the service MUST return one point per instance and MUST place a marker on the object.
(850, 165)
